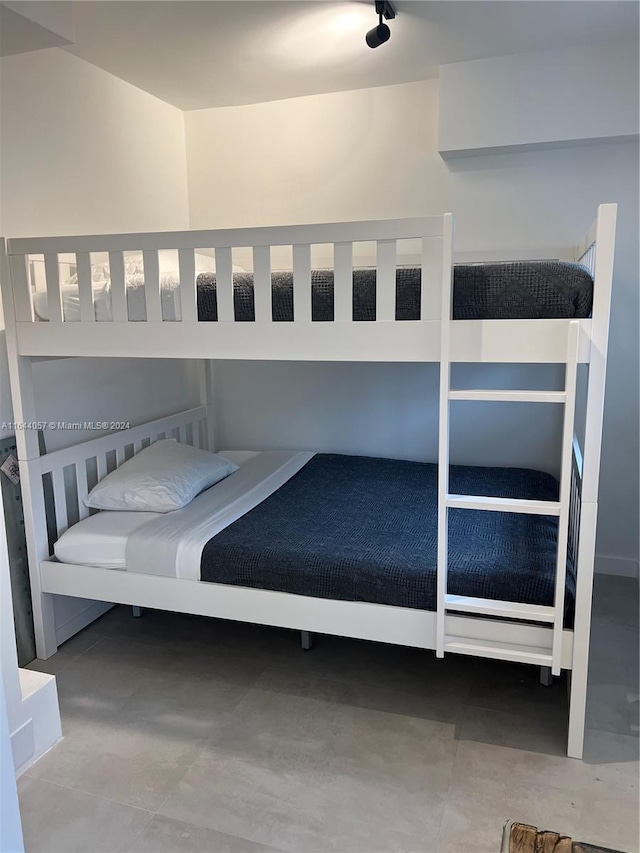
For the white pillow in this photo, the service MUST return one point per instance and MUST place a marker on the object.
(168, 263)
(162, 477)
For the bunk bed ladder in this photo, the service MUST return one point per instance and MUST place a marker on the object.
(462, 605)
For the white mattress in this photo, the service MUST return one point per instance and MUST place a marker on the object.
(170, 544)
(101, 539)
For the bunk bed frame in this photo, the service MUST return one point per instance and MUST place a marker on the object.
(460, 625)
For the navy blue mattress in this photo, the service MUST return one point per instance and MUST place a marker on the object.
(361, 529)
(528, 290)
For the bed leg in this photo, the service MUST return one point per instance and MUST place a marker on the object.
(546, 678)
(44, 625)
(137, 611)
(305, 640)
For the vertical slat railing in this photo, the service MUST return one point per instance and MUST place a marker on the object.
(188, 294)
(386, 281)
(224, 285)
(152, 285)
(587, 259)
(119, 310)
(262, 283)
(574, 517)
(101, 464)
(21, 288)
(302, 283)
(59, 500)
(82, 488)
(203, 440)
(431, 278)
(85, 291)
(54, 297)
(571, 372)
(446, 315)
(343, 282)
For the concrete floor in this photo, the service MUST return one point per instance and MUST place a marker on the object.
(200, 736)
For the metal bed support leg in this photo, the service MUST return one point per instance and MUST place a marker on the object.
(546, 678)
(305, 640)
(137, 611)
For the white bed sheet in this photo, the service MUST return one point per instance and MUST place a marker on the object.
(170, 544)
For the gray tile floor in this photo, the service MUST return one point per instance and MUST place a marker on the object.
(189, 735)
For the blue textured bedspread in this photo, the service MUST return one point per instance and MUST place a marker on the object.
(527, 290)
(362, 529)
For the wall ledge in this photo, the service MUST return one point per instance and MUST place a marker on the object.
(550, 145)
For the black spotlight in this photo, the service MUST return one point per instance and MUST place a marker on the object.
(380, 34)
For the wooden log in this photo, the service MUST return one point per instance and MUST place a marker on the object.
(522, 838)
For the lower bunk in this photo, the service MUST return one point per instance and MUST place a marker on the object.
(403, 626)
(318, 543)
(333, 544)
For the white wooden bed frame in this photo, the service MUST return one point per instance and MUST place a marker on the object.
(527, 633)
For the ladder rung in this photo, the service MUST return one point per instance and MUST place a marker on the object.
(498, 396)
(497, 651)
(492, 607)
(503, 504)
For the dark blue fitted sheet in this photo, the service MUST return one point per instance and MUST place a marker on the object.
(363, 529)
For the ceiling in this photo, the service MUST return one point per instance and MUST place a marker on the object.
(19, 34)
(210, 53)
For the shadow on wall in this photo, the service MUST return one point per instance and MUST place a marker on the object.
(383, 410)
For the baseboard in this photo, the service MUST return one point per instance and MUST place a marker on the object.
(80, 620)
(622, 567)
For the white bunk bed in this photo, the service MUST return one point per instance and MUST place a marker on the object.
(460, 624)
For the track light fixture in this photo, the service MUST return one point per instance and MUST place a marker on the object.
(380, 34)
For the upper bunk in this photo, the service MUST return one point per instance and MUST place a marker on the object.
(357, 291)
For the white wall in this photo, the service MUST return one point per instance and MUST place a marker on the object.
(536, 99)
(378, 410)
(369, 154)
(84, 152)
(373, 154)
